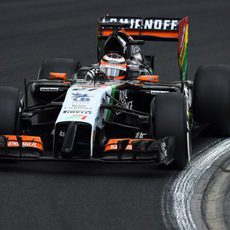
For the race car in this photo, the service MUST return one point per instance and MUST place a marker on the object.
(63, 115)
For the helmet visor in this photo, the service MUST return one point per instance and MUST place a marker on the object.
(112, 70)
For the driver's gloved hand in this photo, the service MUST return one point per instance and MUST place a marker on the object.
(91, 74)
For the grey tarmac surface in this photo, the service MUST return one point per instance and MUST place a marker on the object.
(93, 196)
(49, 195)
(216, 196)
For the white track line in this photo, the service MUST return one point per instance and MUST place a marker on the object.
(177, 200)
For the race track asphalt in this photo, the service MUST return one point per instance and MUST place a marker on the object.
(93, 196)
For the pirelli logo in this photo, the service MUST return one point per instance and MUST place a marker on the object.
(146, 24)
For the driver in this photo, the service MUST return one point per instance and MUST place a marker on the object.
(112, 65)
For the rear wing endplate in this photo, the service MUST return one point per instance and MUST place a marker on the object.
(160, 29)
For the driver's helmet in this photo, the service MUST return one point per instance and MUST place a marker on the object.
(114, 66)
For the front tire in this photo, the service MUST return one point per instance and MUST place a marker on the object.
(10, 117)
(212, 97)
(169, 119)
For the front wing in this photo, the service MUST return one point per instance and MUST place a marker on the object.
(158, 151)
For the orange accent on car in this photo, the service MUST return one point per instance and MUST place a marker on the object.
(119, 78)
(34, 142)
(122, 30)
(124, 65)
(112, 143)
(148, 78)
(58, 76)
(157, 34)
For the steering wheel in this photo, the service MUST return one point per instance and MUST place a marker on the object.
(97, 76)
(101, 77)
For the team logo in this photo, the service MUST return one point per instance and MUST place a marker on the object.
(82, 97)
(146, 24)
(124, 100)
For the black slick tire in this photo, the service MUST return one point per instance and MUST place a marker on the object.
(212, 97)
(169, 119)
(58, 65)
(9, 110)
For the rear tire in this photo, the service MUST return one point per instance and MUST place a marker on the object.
(169, 119)
(212, 97)
(58, 65)
(10, 117)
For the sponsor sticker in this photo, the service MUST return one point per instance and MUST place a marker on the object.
(129, 147)
(49, 89)
(135, 23)
(28, 144)
(113, 147)
(146, 24)
(140, 135)
(160, 24)
(81, 97)
(73, 117)
(77, 112)
(123, 98)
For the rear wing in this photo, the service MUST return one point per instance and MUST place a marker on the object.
(153, 29)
